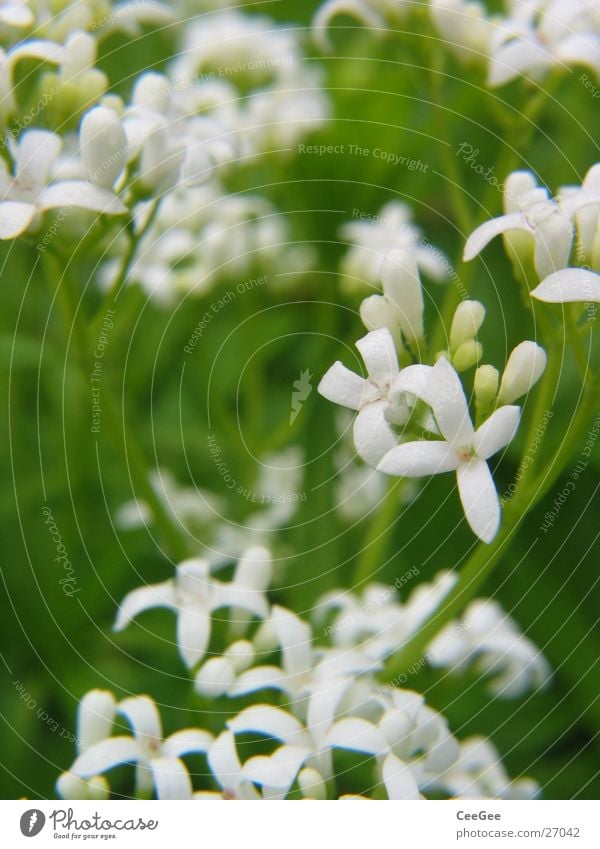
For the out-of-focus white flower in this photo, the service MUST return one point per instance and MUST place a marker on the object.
(400, 308)
(158, 762)
(44, 51)
(487, 635)
(373, 436)
(103, 146)
(464, 450)
(479, 774)
(540, 36)
(465, 26)
(587, 220)
(547, 222)
(16, 13)
(525, 366)
(391, 229)
(370, 13)
(95, 718)
(194, 594)
(569, 285)
(28, 193)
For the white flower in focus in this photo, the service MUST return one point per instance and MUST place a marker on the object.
(569, 285)
(547, 222)
(194, 595)
(465, 450)
(539, 36)
(488, 635)
(28, 193)
(391, 229)
(373, 436)
(158, 762)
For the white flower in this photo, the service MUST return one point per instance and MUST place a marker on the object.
(524, 368)
(95, 718)
(28, 193)
(194, 594)
(587, 220)
(400, 308)
(569, 285)
(464, 450)
(487, 634)
(479, 774)
(157, 761)
(373, 436)
(370, 13)
(539, 36)
(16, 13)
(45, 51)
(547, 222)
(372, 237)
(465, 26)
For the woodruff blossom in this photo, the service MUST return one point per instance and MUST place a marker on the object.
(569, 285)
(158, 763)
(547, 222)
(29, 192)
(400, 308)
(194, 594)
(465, 450)
(370, 13)
(95, 718)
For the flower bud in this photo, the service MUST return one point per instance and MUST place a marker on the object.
(311, 784)
(467, 320)
(70, 786)
(524, 368)
(103, 146)
(214, 678)
(486, 385)
(468, 355)
(377, 312)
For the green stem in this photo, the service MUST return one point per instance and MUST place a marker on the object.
(135, 461)
(377, 534)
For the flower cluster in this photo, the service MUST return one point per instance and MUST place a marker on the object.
(527, 41)
(310, 698)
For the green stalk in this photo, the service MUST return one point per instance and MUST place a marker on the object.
(378, 534)
(134, 458)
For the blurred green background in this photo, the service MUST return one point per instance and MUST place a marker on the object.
(55, 647)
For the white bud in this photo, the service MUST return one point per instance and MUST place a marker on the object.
(152, 91)
(70, 786)
(467, 355)
(524, 368)
(467, 320)
(214, 678)
(160, 161)
(311, 784)
(402, 287)
(241, 655)
(103, 146)
(486, 385)
(377, 312)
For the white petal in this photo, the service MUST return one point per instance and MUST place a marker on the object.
(450, 405)
(497, 431)
(295, 639)
(418, 459)
(553, 240)
(518, 57)
(78, 193)
(255, 568)
(328, 10)
(144, 598)
(193, 576)
(215, 678)
(402, 286)
(344, 387)
(95, 717)
(186, 741)
(488, 230)
(399, 780)
(323, 705)
(358, 735)
(379, 355)
(193, 633)
(259, 678)
(516, 185)
(413, 380)
(580, 49)
(104, 149)
(15, 218)
(224, 762)
(171, 779)
(102, 756)
(569, 285)
(144, 718)
(36, 153)
(278, 770)
(373, 436)
(479, 498)
(270, 721)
